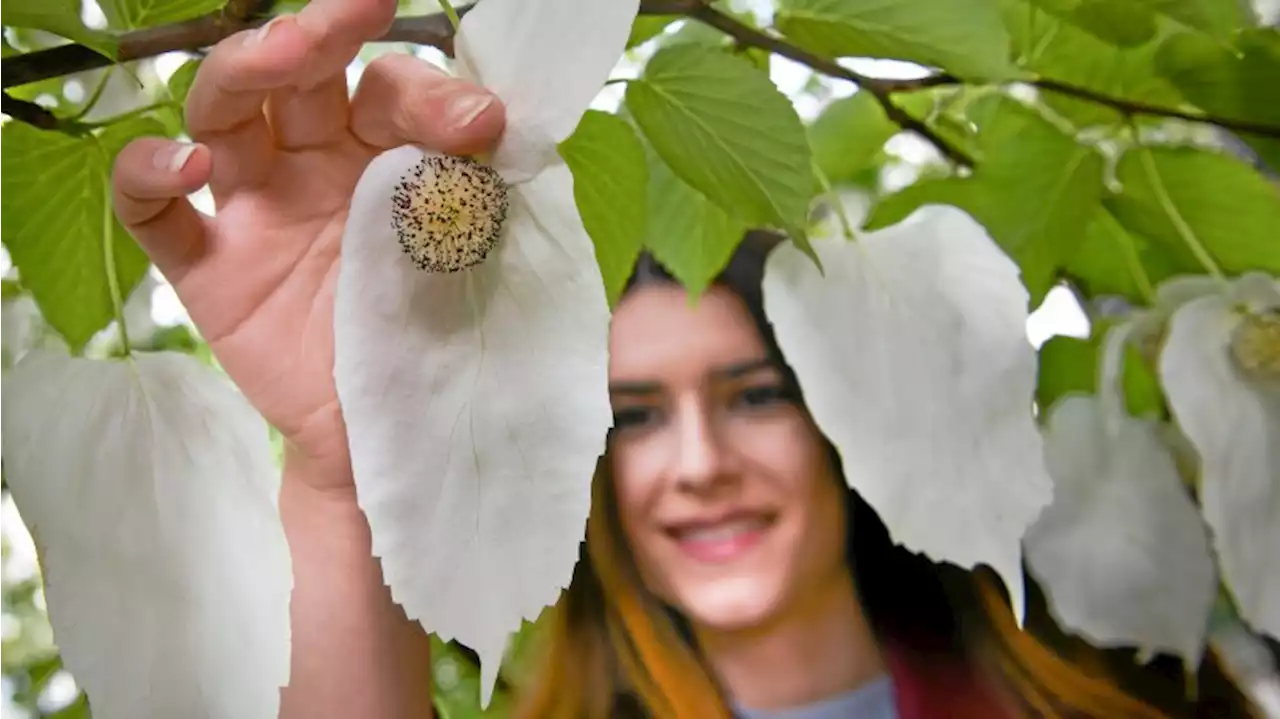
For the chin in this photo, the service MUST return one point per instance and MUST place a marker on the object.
(731, 604)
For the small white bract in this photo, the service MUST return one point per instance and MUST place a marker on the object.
(1122, 553)
(448, 212)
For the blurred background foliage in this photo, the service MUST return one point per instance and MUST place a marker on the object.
(856, 147)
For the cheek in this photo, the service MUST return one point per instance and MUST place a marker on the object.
(636, 493)
(813, 501)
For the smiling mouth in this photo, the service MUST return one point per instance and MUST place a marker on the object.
(723, 540)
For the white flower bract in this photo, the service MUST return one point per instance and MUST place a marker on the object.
(912, 354)
(476, 399)
(1229, 409)
(1122, 551)
(150, 489)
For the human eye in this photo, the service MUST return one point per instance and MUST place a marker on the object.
(764, 395)
(634, 417)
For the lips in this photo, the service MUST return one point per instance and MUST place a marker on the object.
(723, 539)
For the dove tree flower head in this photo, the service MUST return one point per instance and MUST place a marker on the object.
(1219, 364)
(472, 335)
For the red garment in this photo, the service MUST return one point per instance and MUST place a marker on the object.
(941, 687)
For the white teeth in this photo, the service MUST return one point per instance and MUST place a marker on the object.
(724, 531)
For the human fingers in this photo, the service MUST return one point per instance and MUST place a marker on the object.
(404, 100)
(150, 183)
(224, 106)
(313, 110)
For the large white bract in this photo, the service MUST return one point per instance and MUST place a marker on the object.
(1122, 552)
(912, 353)
(1220, 369)
(476, 401)
(150, 489)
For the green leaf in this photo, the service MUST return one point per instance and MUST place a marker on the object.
(963, 37)
(78, 709)
(1181, 197)
(456, 685)
(610, 182)
(1059, 50)
(698, 33)
(1111, 260)
(181, 80)
(688, 233)
(10, 290)
(1219, 19)
(849, 135)
(60, 17)
(1241, 86)
(54, 203)
(1133, 22)
(1068, 364)
(724, 129)
(1120, 22)
(174, 116)
(135, 14)
(1035, 191)
(647, 27)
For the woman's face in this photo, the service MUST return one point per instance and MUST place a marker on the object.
(725, 492)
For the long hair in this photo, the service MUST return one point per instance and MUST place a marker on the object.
(612, 649)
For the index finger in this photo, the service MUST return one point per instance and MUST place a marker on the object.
(298, 51)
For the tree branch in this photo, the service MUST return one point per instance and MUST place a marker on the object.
(242, 10)
(1135, 107)
(434, 30)
(28, 112)
(1122, 105)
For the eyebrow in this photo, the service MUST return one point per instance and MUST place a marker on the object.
(730, 371)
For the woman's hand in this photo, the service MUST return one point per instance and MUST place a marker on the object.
(281, 147)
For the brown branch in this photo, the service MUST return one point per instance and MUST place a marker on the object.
(28, 112)
(68, 59)
(1119, 104)
(242, 10)
(193, 35)
(1135, 107)
(435, 31)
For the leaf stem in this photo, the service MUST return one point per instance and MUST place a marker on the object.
(129, 114)
(451, 14)
(109, 261)
(1139, 273)
(845, 226)
(1183, 229)
(94, 96)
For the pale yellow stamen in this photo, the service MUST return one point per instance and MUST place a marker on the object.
(448, 213)
(1255, 345)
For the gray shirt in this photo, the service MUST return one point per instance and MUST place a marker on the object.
(873, 700)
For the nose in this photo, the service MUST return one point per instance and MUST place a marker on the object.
(700, 458)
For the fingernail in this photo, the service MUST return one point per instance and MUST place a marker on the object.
(172, 158)
(260, 35)
(463, 109)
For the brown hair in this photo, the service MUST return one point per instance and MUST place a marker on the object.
(613, 650)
